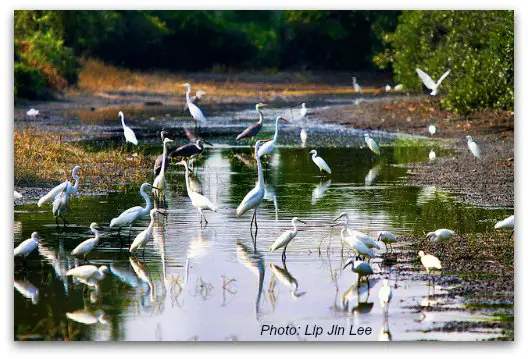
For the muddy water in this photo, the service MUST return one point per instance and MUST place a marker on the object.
(220, 282)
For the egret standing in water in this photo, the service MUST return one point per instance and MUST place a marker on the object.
(159, 181)
(304, 110)
(199, 201)
(159, 159)
(72, 189)
(428, 81)
(88, 245)
(285, 238)
(507, 223)
(429, 262)
(360, 248)
(88, 274)
(144, 236)
(190, 150)
(267, 147)
(254, 197)
(195, 99)
(363, 269)
(473, 147)
(60, 206)
(195, 111)
(253, 130)
(365, 238)
(28, 246)
(357, 88)
(387, 238)
(432, 129)
(320, 163)
(372, 144)
(385, 296)
(130, 136)
(132, 214)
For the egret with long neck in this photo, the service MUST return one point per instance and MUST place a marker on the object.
(132, 214)
(195, 111)
(88, 245)
(159, 181)
(269, 146)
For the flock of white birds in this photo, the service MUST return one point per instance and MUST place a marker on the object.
(361, 244)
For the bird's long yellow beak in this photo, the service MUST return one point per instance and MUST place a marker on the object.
(283, 119)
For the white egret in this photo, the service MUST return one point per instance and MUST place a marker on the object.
(72, 189)
(195, 99)
(429, 262)
(32, 112)
(285, 238)
(398, 87)
(132, 214)
(267, 147)
(88, 274)
(144, 236)
(356, 245)
(372, 144)
(440, 235)
(507, 223)
(159, 159)
(88, 245)
(195, 111)
(28, 246)
(387, 238)
(60, 206)
(357, 88)
(159, 181)
(385, 296)
(432, 129)
(304, 137)
(320, 163)
(432, 155)
(387, 88)
(303, 110)
(473, 147)
(199, 201)
(365, 238)
(363, 269)
(428, 81)
(254, 198)
(253, 130)
(130, 136)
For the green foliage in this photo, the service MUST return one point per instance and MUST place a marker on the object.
(29, 82)
(477, 46)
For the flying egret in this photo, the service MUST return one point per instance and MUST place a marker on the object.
(285, 238)
(372, 144)
(144, 236)
(254, 198)
(88, 245)
(130, 136)
(159, 159)
(428, 81)
(356, 245)
(195, 111)
(319, 162)
(473, 147)
(432, 129)
(429, 262)
(28, 246)
(366, 239)
(432, 155)
(385, 296)
(159, 182)
(190, 150)
(363, 269)
(304, 137)
(88, 274)
(304, 110)
(32, 112)
(357, 88)
(387, 238)
(507, 223)
(268, 147)
(199, 201)
(132, 214)
(72, 189)
(254, 129)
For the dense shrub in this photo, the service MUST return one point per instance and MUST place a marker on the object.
(29, 82)
(477, 46)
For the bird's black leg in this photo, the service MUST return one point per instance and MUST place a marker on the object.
(284, 255)
(144, 251)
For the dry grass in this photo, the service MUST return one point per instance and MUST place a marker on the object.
(42, 159)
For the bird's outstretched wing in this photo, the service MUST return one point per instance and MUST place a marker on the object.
(426, 79)
(443, 77)
(50, 196)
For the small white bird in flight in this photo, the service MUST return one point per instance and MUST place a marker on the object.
(320, 163)
(26, 247)
(285, 238)
(372, 144)
(473, 147)
(428, 81)
(130, 136)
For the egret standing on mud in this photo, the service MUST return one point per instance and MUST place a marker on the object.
(320, 163)
(429, 262)
(285, 238)
(428, 81)
(473, 147)
(387, 238)
(254, 197)
(159, 181)
(372, 144)
(267, 147)
(132, 214)
(253, 130)
(28, 246)
(195, 111)
(441, 235)
(130, 136)
(88, 245)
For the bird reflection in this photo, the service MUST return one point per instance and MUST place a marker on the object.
(143, 275)
(87, 316)
(287, 279)
(430, 193)
(59, 260)
(352, 301)
(194, 182)
(198, 245)
(247, 160)
(385, 334)
(371, 175)
(304, 137)
(254, 261)
(319, 191)
(27, 289)
(269, 195)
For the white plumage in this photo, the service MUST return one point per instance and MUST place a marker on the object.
(440, 235)
(304, 137)
(432, 155)
(398, 87)
(385, 295)
(159, 181)
(32, 112)
(428, 81)
(132, 214)
(365, 238)
(432, 129)
(356, 245)
(507, 223)
(473, 147)
(429, 262)
(372, 144)
(320, 163)
(387, 238)
(285, 238)
(195, 111)
(304, 110)
(144, 236)
(17, 195)
(50, 196)
(130, 136)
(88, 274)
(88, 317)
(357, 88)
(267, 147)
(27, 246)
(88, 245)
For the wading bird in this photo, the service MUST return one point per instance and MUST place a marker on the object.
(356, 245)
(473, 147)
(507, 223)
(429, 262)
(254, 197)
(60, 206)
(320, 163)
(387, 238)
(304, 110)
(285, 238)
(387, 88)
(357, 88)
(385, 296)
(72, 189)
(195, 111)
(432, 129)
(428, 81)
(287, 279)
(372, 144)
(195, 99)
(199, 201)
(132, 214)
(432, 155)
(398, 87)
(88, 245)
(363, 269)
(304, 137)
(190, 150)
(130, 136)
(159, 182)
(32, 112)
(267, 147)
(28, 246)
(159, 159)
(144, 236)
(365, 238)
(88, 274)
(441, 235)
(253, 130)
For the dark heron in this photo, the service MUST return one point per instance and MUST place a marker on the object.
(253, 130)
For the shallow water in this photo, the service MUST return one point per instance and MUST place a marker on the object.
(221, 283)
